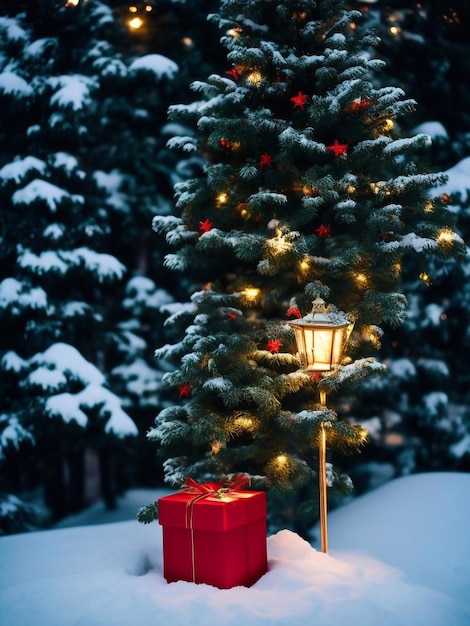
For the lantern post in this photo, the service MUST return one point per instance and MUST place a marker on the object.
(321, 338)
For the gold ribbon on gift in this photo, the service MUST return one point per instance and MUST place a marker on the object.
(205, 490)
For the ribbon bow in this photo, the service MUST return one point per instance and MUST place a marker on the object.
(203, 491)
(217, 489)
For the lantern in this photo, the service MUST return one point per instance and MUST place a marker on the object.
(321, 338)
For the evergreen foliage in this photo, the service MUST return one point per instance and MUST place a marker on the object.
(307, 192)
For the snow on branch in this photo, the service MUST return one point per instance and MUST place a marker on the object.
(16, 296)
(105, 266)
(19, 168)
(39, 189)
(186, 144)
(352, 374)
(159, 65)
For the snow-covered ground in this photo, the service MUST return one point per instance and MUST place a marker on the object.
(398, 557)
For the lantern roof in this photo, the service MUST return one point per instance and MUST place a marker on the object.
(323, 315)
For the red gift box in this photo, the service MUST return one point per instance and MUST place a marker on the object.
(214, 535)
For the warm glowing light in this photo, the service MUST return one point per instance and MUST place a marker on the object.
(443, 317)
(188, 42)
(222, 198)
(279, 244)
(254, 77)
(135, 23)
(428, 208)
(72, 3)
(304, 265)
(321, 337)
(424, 276)
(397, 268)
(376, 187)
(389, 125)
(148, 8)
(395, 30)
(281, 460)
(361, 279)
(243, 422)
(234, 32)
(132, 9)
(216, 447)
(445, 237)
(252, 293)
(351, 189)
(353, 25)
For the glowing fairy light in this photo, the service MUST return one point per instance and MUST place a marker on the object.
(216, 447)
(132, 9)
(361, 279)
(254, 78)
(445, 237)
(425, 278)
(222, 198)
(252, 294)
(234, 32)
(243, 423)
(72, 3)
(279, 244)
(135, 23)
(281, 460)
(389, 125)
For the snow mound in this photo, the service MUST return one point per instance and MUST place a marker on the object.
(111, 575)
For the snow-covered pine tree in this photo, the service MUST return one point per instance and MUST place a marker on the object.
(57, 277)
(307, 192)
(427, 429)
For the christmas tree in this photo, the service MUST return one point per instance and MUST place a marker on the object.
(307, 192)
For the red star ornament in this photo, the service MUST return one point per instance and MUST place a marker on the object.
(273, 345)
(184, 391)
(266, 160)
(234, 73)
(323, 231)
(359, 103)
(294, 311)
(299, 100)
(338, 148)
(205, 226)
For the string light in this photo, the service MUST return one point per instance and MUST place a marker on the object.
(254, 78)
(216, 447)
(72, 3)
(281, 460)
(394, 30)
(424, 276)
(234, 32)
(304, 265)
(135, 23)
(132, 9)
(389, 125)
(243, 423)
(222, 198)
(428, 208)
(251, 294)
(445, 237)
(361, 279)
(279, 244)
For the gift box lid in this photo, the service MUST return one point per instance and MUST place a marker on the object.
(211, 511)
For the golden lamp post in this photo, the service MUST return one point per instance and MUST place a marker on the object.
(321, 338)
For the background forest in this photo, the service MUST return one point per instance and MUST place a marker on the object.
(84, 168)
